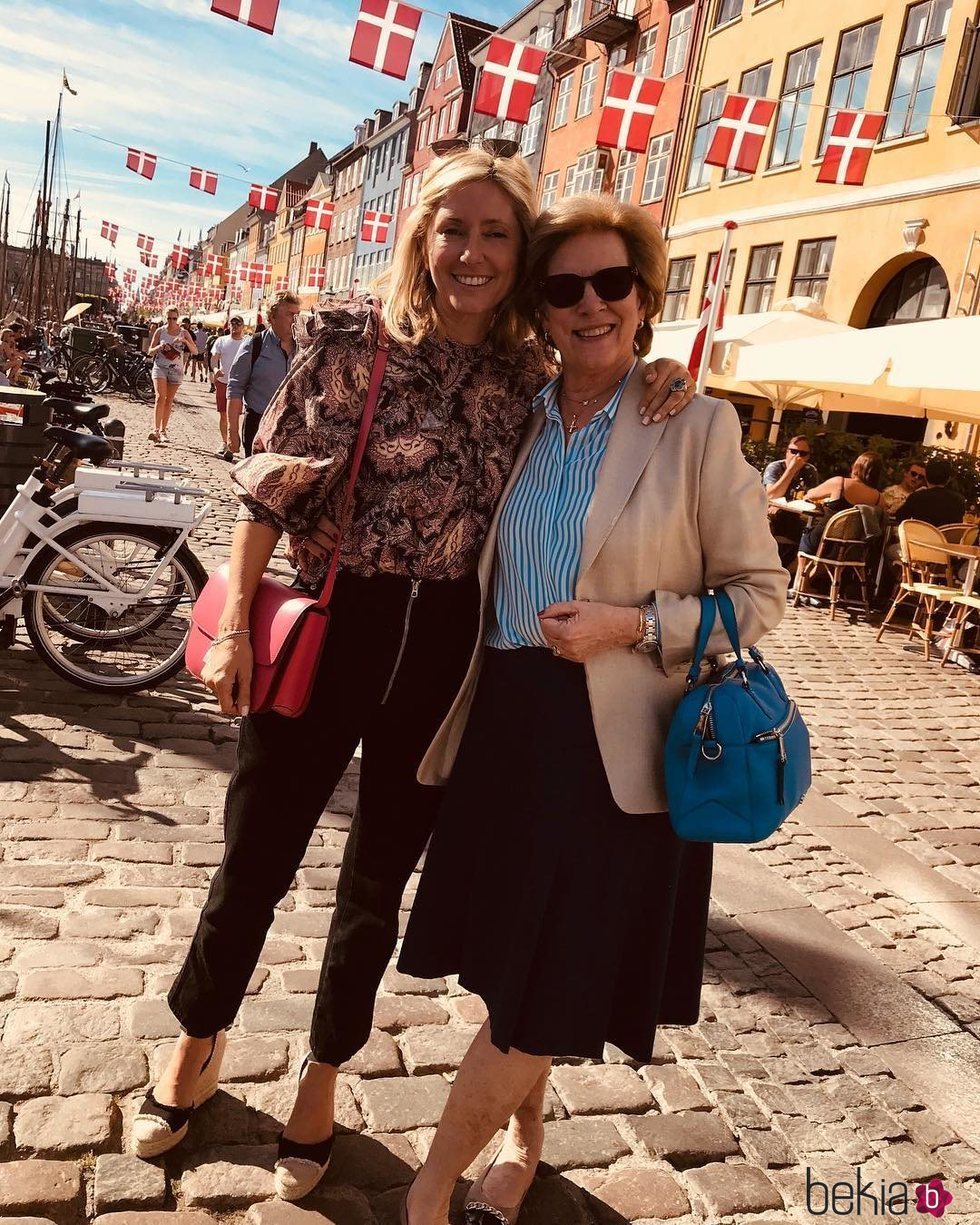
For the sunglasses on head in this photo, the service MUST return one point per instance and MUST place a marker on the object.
(797, 451)
(496, 148)
(565, 289)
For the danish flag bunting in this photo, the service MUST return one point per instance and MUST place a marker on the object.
(316, 278)
(111, 231)
(374, 227)
(712, 291)
(150, 261)
(259, 274)
(263, 198)
(204, 180)
(144, 242)
(627, 114)
(741, 129)
(849, 145)
(384, 36)
(141, 163)
(259, 14)
(319, 214)
(508, 80)
(180, 256)
(281, 284)
(214, 265)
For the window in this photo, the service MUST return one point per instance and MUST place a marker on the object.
(586, 90)
(709, 108)
(573, 17)
(543, 36)
(569, 179)
(437, 79)
(443, 120)
(549, 189)
(849, 87)
(914, 86)
(679, 273)
(645, 50)
(794, 106)
(449, 69)
(563, 97)
(531, 136)
(454, 117)
(761, 278)
(617, 58)
(755, 83)
(678, 41)
(813, 260)
(727, 11)
(728, 272)
(964, 97)
(586, 175)
(658, 159)
(625, 176)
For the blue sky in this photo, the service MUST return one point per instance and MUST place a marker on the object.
(171, 77)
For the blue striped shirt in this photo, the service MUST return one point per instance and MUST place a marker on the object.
(540, 531)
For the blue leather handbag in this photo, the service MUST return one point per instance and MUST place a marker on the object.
(737, 759)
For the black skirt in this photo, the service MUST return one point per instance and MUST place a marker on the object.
(577, 924)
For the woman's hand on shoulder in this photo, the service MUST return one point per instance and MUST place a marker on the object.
(661, 399)
(579, 629)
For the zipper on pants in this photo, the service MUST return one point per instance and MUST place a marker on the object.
(412, 596)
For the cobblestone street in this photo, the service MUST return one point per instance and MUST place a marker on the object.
(841, 1009)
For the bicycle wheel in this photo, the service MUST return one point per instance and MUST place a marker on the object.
(94, 373)
(135, 643)
(142, 382)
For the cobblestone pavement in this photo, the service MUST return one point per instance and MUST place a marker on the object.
(841, 1018)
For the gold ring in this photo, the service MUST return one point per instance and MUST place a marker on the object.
(555, 651)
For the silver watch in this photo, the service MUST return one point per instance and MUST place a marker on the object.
(650, 640)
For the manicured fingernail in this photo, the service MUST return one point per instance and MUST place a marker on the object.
(244, 711)
(658, 417)
(672, 413)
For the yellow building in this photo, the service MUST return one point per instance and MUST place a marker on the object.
(898, 248)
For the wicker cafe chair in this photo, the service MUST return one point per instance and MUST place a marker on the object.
(843, 547)
(961, 533)
(922, 551)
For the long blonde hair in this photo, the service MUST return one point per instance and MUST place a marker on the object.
(406, 289)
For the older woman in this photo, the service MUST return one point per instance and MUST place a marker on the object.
(554, 885)
(449, 419)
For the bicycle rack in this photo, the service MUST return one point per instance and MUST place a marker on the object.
(150, 489)
(136, 466)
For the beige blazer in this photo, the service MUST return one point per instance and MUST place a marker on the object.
(677, 510)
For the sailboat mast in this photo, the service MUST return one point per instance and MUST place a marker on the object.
(4, 238)
(34, 303)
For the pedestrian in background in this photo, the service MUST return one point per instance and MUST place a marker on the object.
(259, 371)
(224, 351)
(168, 347)
(198, 369)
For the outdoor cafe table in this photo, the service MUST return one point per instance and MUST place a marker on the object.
(971, 554)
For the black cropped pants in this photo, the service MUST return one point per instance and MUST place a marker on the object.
(286, 772)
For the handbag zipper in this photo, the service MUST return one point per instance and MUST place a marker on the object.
(412, 595)
(777, 733)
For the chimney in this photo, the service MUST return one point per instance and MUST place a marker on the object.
(314, 147)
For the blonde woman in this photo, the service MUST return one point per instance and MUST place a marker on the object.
(167, 348)
(461, 373)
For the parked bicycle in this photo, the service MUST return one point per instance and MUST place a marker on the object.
(55, 358)
(100, 569)
(119, 367)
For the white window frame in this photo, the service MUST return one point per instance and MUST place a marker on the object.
(563, 100)
(646, 50)
(587, 88)
(625, 176)
(678, 41)
(658, 163)
(531, 135)
(549, 189)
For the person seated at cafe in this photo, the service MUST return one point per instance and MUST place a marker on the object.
(861, 488)
(789, 478)
(936, 503)
(893, 497)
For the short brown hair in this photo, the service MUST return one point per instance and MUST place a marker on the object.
(593, 214)
(868, 467)
(277, 300)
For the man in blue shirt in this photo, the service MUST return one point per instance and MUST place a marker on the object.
(260, 367)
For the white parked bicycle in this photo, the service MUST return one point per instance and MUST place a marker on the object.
(100, 569)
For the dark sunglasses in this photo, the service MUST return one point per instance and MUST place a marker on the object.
(568, 288)
(797, 451)
(496, 148)
(919, 476)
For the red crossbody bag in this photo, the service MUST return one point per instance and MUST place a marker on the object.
(287, 629)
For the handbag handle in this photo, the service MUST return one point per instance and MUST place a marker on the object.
(721, 603)
(370, 403)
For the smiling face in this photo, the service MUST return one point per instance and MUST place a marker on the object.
(595, 338)
(474, 245)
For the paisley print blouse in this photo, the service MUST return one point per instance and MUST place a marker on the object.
(442, 443)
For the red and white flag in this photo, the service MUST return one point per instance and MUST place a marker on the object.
(144, 242)
(150, 261)
(319, 214)
(509, 79)
(180, 256)
(384, 36)
(849, 146)
(316, 278)
(712, 291)
(111, 231)
(214, 265)
(259, 14)
(204, 180)
(741, 129)
(141, 163)
(263, 198)
(281, 284)
(374, 227)
(259, 274)
(627, 113)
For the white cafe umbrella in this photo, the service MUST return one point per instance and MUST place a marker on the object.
(74, 311)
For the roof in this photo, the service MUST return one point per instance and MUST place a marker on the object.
(467, 33)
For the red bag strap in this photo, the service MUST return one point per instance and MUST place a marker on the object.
(367, 416)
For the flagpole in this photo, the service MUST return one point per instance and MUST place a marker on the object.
(709, 340)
